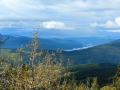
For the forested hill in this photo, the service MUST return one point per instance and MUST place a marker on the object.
(107, 53)
(103, 53)
(15, 42)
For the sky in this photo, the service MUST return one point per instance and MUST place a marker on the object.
(60, 18)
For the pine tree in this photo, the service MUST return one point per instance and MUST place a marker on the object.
(117, 78)
(95, 85)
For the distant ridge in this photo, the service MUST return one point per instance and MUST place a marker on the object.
(118, 40)
(15, 41)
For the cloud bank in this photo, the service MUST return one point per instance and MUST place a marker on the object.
(75, 15)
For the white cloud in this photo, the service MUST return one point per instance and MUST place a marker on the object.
(117, 21)
(12, 24)
(10, 16)
(108, 24)
(20, 9)
(54, 25)
(17, 24)
(20, 4)
(88, 8)
(94, 24)
(114, 31)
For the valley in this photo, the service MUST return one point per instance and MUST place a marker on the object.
(97, 61)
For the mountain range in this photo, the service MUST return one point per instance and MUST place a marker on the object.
(106, 53)
(16, 41)
(91, 40)
(50, 44)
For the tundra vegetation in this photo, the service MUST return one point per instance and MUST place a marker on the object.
(43, 71)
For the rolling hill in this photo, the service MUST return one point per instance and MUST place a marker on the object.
(109, 53)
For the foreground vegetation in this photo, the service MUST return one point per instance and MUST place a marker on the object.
(47, 73)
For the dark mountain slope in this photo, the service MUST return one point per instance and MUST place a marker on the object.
(104, 53)
(103, 71)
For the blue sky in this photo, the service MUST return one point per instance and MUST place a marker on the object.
(60, 18)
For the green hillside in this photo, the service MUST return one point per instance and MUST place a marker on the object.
(107, 53)
(103, 71)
